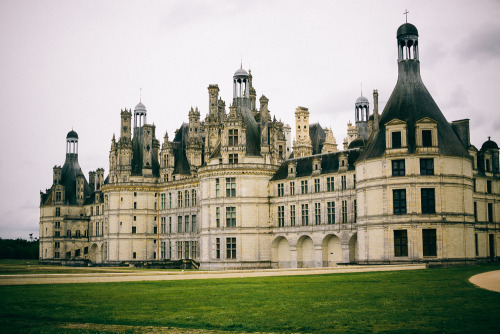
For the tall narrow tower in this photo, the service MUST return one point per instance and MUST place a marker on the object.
(302, 145)
(362, 112)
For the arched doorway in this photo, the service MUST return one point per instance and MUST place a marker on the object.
(353, 248)
(305, 252)
(332, 250)
(280, 253)
(95, 255)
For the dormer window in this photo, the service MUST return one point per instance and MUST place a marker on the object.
(426, 135)
(396, 139)
(426, 138)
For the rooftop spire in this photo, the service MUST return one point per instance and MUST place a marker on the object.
(406, 14)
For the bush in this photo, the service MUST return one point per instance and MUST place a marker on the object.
(18, 249)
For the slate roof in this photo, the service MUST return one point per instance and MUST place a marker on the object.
(179, 146)
(329, 164)
(410, 101)
(252, 132)
(317, 135)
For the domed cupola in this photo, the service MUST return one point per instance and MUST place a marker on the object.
(489, 145)
(407, 37)
(140, 115)
(362, 112)
(241, 84)
(411, 120)
(72, 142)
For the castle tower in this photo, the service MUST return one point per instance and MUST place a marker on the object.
(167, 160)
(212, 121)
(194, 145)
(302, 145)
(125, 129)
(265, 118)
(57, 170)
(253, 93)
(362, 112)
(330, 144)
(140, 114)
(72, 144)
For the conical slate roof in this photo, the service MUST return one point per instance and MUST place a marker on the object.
(410, 101)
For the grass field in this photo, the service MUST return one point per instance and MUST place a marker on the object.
(420, 301)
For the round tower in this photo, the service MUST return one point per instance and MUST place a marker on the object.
(241, 87)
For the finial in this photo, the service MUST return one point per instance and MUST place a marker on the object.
(241, 61)
(406, 14)
(140, 95)
(361, 89)
(489, 138)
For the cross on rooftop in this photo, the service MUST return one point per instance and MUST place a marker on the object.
(406, 14)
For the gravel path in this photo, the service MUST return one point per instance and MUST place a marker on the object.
(489, 280)
(182, 275)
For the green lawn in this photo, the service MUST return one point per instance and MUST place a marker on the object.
(419, 301)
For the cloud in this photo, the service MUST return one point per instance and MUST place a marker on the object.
(481, 44)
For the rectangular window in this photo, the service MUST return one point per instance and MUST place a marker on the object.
(179, 224)
(233, 137)
(399, 201)
(426, 166)
(280, 151)
(305, 214)
(77, 252)
(230, 216)
(58, 196)
(292, 188)
(57, 233)
(77, 234)
(134, 229)
(476, 243)
(193, 197)
(331, 212)
(488, 186)
(179, 199)
(317, 213)
(426, 138)
(428, 200)
(163, 225)
(217, 188)
(186, 198)
(280, 189)
(179, 250)
(317, 187)
(292, 215)
(230, 187)
(170, 200)
(217, 217)
(400, 243)
(97, 208)
(169, 224)
(58, 212)
(91, 210)
(281, 216)
(217, 248)
(233, 158)
(162, 250)
(344, 212)
(56, 255)
(474, 184)
(86, 250)
(186, 249)
(57, 224)
(398, 168)
(396, 139)
(343, 181)
(355, 207)
(231, 248)
(330, 183)
(163, 201)
(303, 187)
(194, 249)
(57, 244)
(186, 223)
(429, 242)
(475, 211)
(490, 212)
(193, 223)
(354, 181)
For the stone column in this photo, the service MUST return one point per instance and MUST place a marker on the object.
(293, 257)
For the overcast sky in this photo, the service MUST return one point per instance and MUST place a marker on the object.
(75, 64)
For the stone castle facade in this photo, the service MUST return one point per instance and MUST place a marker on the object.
(233, 191)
